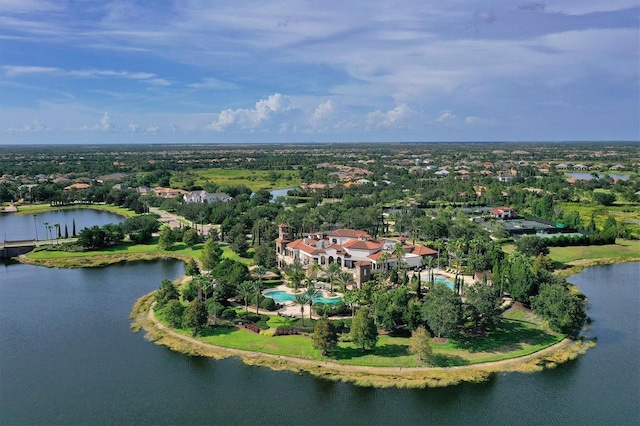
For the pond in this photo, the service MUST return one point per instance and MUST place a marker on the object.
(68, 356)
(589, 176)
(34, 226)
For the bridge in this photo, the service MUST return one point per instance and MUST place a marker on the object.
(15, 248)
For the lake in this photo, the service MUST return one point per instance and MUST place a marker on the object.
(589, 176)
(67, 355)
(24, 227)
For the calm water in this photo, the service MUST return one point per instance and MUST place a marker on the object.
(23, 227)
(67, 355)
(280, 296)
(588, 176)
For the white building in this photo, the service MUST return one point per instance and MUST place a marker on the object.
(205, 197)
(355, 251)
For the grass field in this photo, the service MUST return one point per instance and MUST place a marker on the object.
(623, 250)
(512, 338)
(254, 179)
(39, 208)
(629, 214)
(123, 252)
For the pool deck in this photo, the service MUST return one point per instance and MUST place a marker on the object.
(290, 308)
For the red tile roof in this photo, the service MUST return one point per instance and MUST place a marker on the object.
(349, 233)
(362, 245)
(423, 251)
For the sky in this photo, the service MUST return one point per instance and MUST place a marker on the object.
(189, 71)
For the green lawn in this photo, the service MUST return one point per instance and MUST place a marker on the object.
(39, 208)
(180, 250)
(254, 179)
(629, 214)
(123, 249)
(623, 249)
(513, 338)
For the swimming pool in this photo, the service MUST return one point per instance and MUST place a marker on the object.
(424, 276)
(281, 296)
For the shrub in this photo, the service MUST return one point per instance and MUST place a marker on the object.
(286, 330)
(269, 304)
(252, 327)
(228, 314)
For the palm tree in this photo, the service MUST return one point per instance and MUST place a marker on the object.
(332, 271)
(351, 297)
(260, 272)
(384, 257)
(245, 290)
(295, 273)
(257, 290)
(343, 280)
(398, 252)
(301, 299)
(314, 270)
(311, 292)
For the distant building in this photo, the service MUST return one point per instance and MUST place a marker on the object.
(504, 213)
(168, 192)
(205, 197)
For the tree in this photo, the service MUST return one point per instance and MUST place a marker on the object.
(363, 330)
(257, 291)
(344, 279)
(192, 268)
(311, 293)
(442, 310)
(166, 292)
(301, 300)
(520, 282)
(190, 238)
(332, 271)
(265, 255)
(240, 245)
(532, 246)
(173, 312)
(141, 227)
(166, 238)
(211, 255)
(195, 316)
(295, 273)
(484, 305)
(604, 198)
(564, 310)
(245, 290)
(324, 336)
(419, 344)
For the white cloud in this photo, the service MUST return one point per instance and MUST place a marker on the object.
(17, 70)
(392, 119)
(134, 127)
(214, 83)
(446, 117)
(35, 126)
(472, 119)
(149, 78)
(572, 7)
(264, 110)
(322, 113)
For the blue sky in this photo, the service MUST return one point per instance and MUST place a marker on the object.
(312, 71)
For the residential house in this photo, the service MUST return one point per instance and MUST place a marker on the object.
(168, 192)
(504, 213)
(355, 251)
(205, 197)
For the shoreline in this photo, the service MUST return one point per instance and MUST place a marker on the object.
(380, 377)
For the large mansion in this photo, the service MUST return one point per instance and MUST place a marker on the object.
(355, 251)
